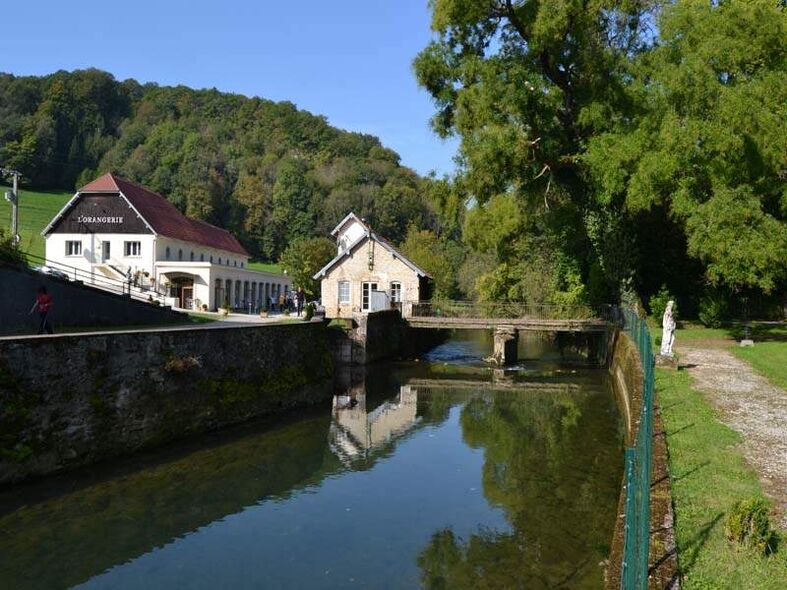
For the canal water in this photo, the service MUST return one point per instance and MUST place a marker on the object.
(440, 473)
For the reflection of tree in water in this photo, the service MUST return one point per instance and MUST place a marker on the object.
(552, 464)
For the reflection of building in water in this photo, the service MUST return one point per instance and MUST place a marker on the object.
(355, 431)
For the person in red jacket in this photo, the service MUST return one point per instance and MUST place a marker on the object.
(44, 305)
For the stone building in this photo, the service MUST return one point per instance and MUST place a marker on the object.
(369, 274)
(120, 230)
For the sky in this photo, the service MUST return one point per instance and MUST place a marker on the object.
(348, 60)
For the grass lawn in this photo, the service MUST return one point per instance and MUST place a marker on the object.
(708, 476)
(266, 267)
(768, 359)
(768, 356)
(36, 210)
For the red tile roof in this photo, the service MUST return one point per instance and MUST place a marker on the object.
(163, 217)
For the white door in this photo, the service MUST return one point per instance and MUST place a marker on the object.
(366, 295)
(104, 251)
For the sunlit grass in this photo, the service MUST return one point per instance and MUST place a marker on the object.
(709, 475)
(36, 210)
(266, 267)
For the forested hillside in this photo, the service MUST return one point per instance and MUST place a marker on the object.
(267, 171)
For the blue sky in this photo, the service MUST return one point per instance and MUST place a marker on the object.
(350, 60)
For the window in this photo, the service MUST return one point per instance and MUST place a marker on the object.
(180, 254)
(132, 248)
(211, 259)
(191, 256)
(202, 257)
(396, 292)
(241, 264)
(235, 262)
(219, 260)
(344, 291)
(73, 248)
(167, 253)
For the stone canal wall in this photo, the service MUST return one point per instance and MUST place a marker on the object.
(382, 335)
(67, 401)
(625, 369)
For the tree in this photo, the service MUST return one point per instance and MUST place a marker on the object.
(303, 258)
(440, 258)
(708, 146)
(525, 85)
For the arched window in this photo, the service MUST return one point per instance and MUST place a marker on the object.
(202, 257)
(192, 256)
(180, 254)
(241, 264)
(219, 260)
(211, 258)
(235, 262)
(166, 253)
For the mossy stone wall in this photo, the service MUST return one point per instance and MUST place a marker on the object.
(67, 401)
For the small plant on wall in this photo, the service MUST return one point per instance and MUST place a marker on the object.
(182, 364)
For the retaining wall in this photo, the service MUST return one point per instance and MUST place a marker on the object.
(74, 304)
(625, 369)
(382, 335)
(67, 401)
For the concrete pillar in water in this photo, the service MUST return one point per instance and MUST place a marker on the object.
(505, 348)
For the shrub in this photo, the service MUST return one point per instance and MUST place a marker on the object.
(183, 364)
(748, 525)
(658, 303)
(713, 310)
(309, 312)
(8, 252)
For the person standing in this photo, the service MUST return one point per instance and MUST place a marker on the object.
(301, 300)
(281, 302)
(44, 305)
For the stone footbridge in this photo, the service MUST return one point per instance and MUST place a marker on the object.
(507, 319)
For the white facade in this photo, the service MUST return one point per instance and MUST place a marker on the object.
(189, 274)
(162, 262)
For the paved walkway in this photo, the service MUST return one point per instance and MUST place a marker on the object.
(233, 320)
(753, 407)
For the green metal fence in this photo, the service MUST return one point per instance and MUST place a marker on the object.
(639, 458)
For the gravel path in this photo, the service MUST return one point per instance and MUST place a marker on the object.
(752, 406)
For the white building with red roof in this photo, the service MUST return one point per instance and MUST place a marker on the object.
(118, 229)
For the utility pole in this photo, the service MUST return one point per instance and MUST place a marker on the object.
(12, 197)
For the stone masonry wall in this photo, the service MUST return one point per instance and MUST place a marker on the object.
(355, 268)
(382, 335)
(74, 304)
(67, 401)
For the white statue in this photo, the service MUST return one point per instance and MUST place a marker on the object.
(668, 330)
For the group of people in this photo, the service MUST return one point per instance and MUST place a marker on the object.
(290, 301)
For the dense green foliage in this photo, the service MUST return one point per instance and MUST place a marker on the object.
(303, 258)
(616, 142)
(267, 171)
